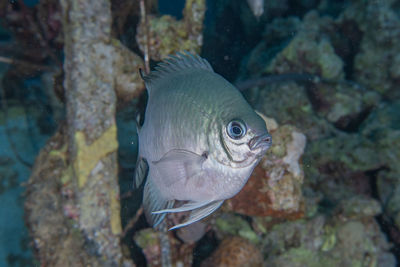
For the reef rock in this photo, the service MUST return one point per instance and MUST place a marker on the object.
(149, 240)
(382, 127)
(166, 35)
(235, 252)
(310, 51)
(345, 105)
(274, 189)
(376, 63)
(327, 241)
(229, 224)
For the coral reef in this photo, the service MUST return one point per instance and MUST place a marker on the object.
(229, 224)
(149, 240)
(235, 252)
(330, 241)
(310, 51)
(344, 105)
(376, 63)
(349, 127)
(326, 194)
(54, 238)
(166, 35)
(383, 128)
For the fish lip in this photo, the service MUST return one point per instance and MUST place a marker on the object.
(263, 141)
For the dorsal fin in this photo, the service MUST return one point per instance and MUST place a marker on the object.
(181, 62)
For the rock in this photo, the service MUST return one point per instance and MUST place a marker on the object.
(129, 83)
(274, 189)
(345, 105)
(327, 241)
(299, 257)
(234, 252)
(359, 207)
(382, 127)
(296, 110)
(375, 63)
(229, 224)
(168, 35)
(339, 166)
(275, 35)
(149, 241)
(310, 51)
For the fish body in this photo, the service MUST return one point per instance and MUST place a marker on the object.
(200, 140)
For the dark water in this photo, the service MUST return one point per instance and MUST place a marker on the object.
(326, 69)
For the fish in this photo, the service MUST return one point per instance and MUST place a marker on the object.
(199, 142)
(257, 7)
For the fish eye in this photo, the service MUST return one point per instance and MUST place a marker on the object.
(236, 129)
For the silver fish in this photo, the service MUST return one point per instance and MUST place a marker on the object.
(200, 140)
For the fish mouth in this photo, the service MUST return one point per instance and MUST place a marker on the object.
(262, 142)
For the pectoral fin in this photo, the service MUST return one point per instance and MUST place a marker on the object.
(178, 165)
(141, 171)
(200, 213)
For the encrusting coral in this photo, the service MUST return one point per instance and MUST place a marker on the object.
(168, 35)
(235, 252)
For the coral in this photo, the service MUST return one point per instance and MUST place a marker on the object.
(228, 225)
(296, 110)
(343, 104)
(310, 51)
(234, 251)
(275, 34)
(383, 128)
(299, 257)
(274, 189)
(54, 238)
(331, 241)
(88, 155)
(149, 240)
(358, 207)
(376, 63)
(337, 166)
(129, 84)
(168, 35)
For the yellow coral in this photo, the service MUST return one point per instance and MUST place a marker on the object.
(89, 155)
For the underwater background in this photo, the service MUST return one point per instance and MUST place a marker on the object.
(325, 75)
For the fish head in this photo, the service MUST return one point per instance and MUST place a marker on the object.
(244, 139)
